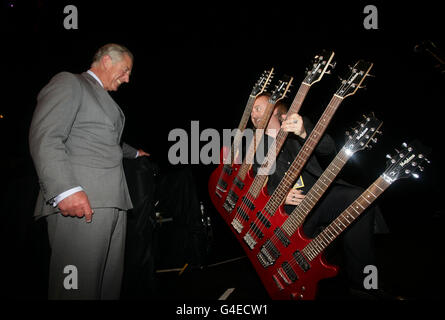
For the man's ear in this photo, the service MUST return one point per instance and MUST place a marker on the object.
(106, 62)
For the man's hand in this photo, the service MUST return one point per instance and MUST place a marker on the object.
(76, 205)
(294, 123)
(142, 153)
(294, 197)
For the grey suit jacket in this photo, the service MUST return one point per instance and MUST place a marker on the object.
(75, 141)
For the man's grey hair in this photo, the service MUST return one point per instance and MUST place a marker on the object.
(115, 51)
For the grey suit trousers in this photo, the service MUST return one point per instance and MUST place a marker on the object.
(87, 259)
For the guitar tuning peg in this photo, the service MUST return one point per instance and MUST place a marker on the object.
(379, 132)
(388, 156)
(374, 140)
(370, 75)
(333, 64)
(369, 146)
(362, 87)
(328, 72)
(404, 144)
(415, 175)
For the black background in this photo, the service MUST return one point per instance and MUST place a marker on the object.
(200, 61)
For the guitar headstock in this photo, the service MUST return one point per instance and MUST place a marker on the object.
(357, 75)
(407, 162)
(364, 135)
(262, 83)
(281, 89)
(321, 65)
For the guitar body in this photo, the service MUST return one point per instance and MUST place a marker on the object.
(278, 284)
(296, 284)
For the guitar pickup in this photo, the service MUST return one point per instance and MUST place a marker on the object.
(227, 169)
(222, 185)
(289, 271)
(282, 237)
(248, 203)
(263, 219)
(256, 230)
(238, 183)
(242, 213)
(301, 260)
(232, 197)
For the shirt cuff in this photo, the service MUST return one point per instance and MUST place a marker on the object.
(65, 194)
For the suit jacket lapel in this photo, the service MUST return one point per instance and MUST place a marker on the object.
(106, 102)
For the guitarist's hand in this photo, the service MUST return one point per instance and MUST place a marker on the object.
(294, 123)
(294, 197)
(76, 205)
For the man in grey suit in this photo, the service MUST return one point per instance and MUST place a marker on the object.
(75, 145)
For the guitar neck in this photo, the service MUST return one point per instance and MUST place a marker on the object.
(242, 125)
(261, 177)
(297, 165)
(299, 214)
(331, 232)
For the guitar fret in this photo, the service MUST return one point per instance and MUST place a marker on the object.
(360, 205)
(366, 199)
(339, 220)
(323, 184)
(378, 187)
(350, 214)
(372, 193)
(329, 233)
(335, 167)
(315, 191)
(354, 209)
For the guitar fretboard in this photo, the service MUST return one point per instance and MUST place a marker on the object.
(242, 125)
(331, 232)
